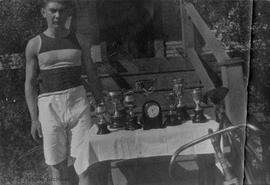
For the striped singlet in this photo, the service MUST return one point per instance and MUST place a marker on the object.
(59, 62)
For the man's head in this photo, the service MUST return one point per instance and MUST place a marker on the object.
(67, 3)
(56, 12)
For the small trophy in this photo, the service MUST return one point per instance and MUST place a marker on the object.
(171, 117)
(198, 111)
(178, 89)
(118, 119)
(102, 123)
(129, 103)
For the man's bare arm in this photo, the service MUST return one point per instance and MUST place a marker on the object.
(30, 86)
(90, 69)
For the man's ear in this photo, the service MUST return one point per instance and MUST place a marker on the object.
(43, 12)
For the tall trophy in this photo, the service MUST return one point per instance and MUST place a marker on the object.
(198, 117)
(171, 117)
(118, 118)
(181, 110)
(129, 103)
(102, 123)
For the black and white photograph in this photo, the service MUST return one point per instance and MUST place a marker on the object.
(134, 92)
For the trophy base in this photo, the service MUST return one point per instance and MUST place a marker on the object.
(102, 129)
(117, 123)
(182, 114)
(133, 124)
(199, 117)
(171, 120)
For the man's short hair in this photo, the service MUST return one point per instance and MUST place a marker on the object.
(67, 3)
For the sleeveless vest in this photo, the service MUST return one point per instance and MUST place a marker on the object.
(59, 61)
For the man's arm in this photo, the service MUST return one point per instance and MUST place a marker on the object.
(90, 69)
(30, 86)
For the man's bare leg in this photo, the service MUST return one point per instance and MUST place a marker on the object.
(59, 174)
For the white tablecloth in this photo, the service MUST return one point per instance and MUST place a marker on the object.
(143, 143)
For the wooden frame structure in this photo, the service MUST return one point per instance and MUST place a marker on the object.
(231, 69)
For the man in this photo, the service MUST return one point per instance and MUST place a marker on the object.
(59, 110)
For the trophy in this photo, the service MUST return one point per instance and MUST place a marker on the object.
(102, 123)
(171, 117)
(178, 89)
(118, 119)
(129, 103)
(198, 111)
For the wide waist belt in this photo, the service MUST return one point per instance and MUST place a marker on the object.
(58, 79)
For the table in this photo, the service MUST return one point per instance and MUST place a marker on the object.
(124, 144)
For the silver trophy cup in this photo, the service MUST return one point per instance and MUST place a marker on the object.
(199, 116)
(171, 117)
(181, 110)
(130, 104)
(102, 123)
(118, 118)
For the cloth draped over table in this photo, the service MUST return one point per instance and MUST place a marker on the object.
(142, 143)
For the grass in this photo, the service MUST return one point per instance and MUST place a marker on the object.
(29, 169)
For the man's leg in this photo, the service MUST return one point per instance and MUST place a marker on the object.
(59, 174)
(86, 179)
(97, 174)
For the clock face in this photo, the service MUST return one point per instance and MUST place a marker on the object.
(153, 111)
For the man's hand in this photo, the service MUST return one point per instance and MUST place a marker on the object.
(36, 131)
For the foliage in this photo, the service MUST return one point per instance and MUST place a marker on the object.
(15, 138)
(231, 19)
(19, 21)
(260, 64)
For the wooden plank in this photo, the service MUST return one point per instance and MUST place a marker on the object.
(201, 71)
(187, 29)
(129, 66)
(153, 171)
(189, 45)
(209, 37)
(146, 65)
(161, 64)
(163, 80)
(162, 98)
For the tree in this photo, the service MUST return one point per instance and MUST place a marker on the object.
(19, 21)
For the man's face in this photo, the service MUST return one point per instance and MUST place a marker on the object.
(56, 14)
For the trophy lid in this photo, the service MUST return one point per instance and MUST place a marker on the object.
(115, 94)
(129, 98)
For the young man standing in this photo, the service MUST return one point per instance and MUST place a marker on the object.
(59, 109)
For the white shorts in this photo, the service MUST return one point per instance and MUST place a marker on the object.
(65, 122)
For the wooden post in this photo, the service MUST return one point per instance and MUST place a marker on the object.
(236, 100)
(187, 29)
(189, 48)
